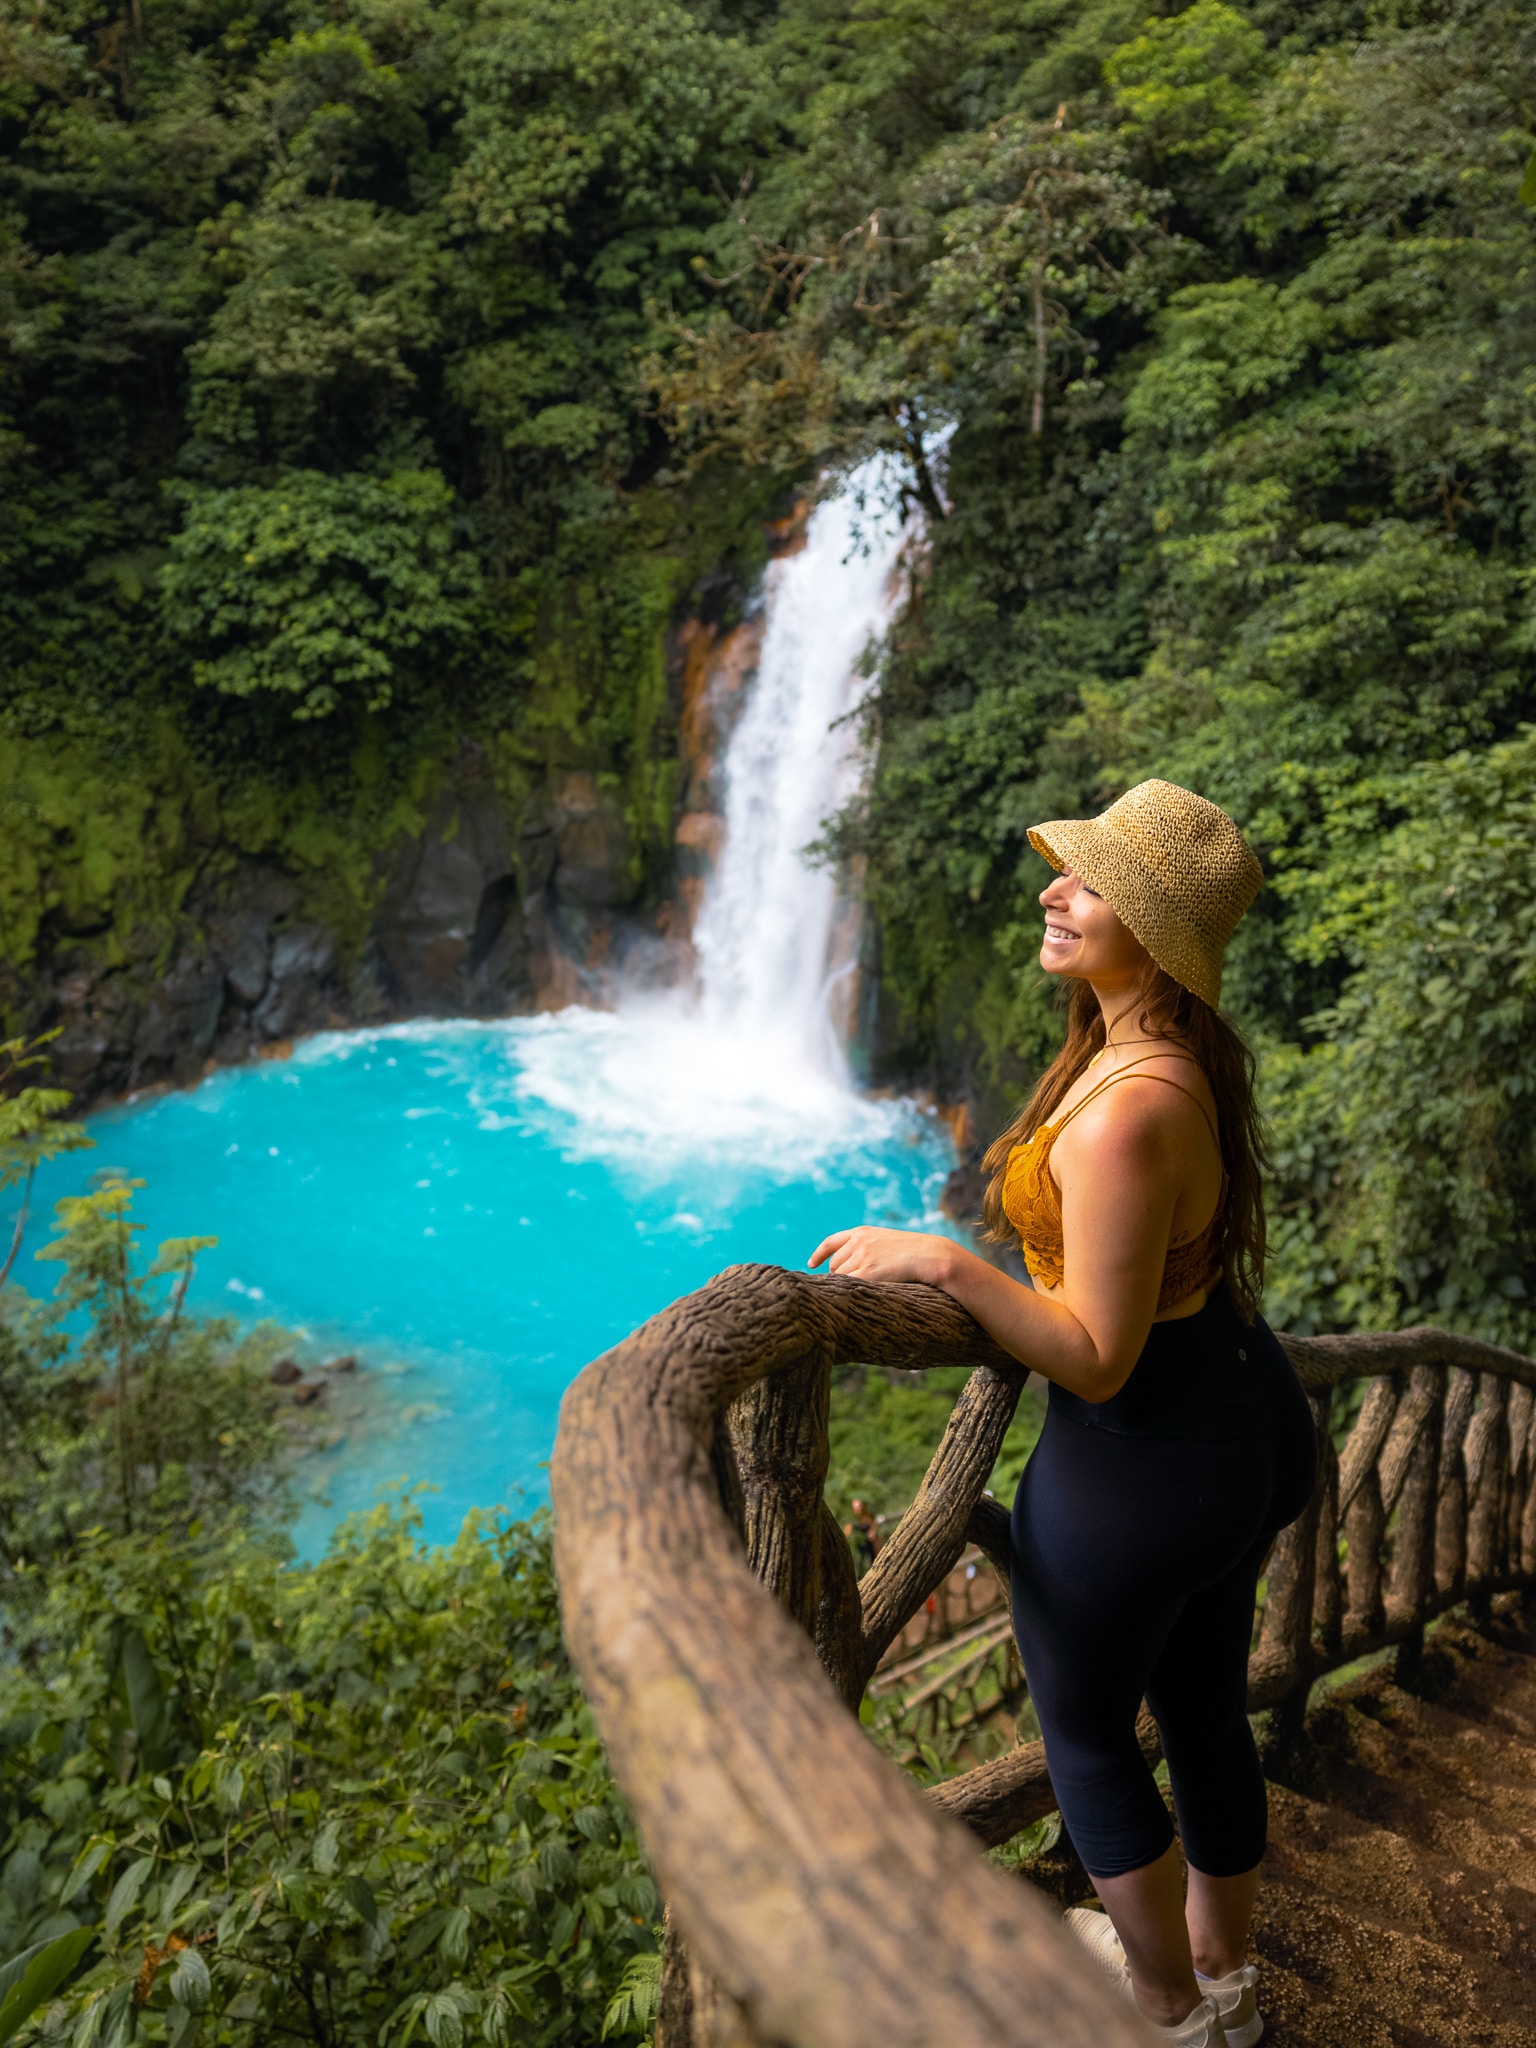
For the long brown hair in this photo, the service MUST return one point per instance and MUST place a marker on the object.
(1220, 1051)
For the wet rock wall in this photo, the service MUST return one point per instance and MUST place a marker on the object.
(494, 904)
(496, 907)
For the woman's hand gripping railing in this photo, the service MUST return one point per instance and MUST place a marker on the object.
(823, 1899)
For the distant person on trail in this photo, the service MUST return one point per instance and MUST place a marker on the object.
(861, 1533)
(1178, 1441)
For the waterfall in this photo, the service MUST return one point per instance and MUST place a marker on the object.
(767, 925)
(751, 1065)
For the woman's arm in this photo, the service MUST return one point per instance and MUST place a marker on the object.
(1120, 1180)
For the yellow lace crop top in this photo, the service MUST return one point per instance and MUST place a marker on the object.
(1032, 1204)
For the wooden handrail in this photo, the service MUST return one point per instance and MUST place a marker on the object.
(712, 1611)
(1327, 1361)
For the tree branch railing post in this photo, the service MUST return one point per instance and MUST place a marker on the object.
(1451, 1503)
(713, 1613)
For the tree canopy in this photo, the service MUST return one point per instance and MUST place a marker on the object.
(321, 324)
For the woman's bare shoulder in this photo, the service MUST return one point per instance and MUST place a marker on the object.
(1140, 1106)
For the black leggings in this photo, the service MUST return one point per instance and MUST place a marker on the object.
(1139, 1530)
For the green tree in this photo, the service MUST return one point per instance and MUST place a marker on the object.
(33, 1128)
(1418, 1092)
(146, 1420)
(320, 588)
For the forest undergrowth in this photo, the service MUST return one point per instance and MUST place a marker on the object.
(246, 1798)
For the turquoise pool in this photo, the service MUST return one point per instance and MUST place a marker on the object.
(478, 1209)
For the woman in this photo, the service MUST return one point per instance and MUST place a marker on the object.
(1177, 1440)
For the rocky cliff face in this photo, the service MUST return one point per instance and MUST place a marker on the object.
(491, 910)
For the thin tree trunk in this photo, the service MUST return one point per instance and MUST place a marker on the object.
(1037, 405)
(21, 1224)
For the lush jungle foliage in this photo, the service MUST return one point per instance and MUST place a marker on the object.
(244, 1800)
(379, 372)
(353, 1802)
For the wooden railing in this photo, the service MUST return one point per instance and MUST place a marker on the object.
(1429, 1503)
(957, 1687)
(725, 1645)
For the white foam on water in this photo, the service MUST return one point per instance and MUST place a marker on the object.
(655, 1089)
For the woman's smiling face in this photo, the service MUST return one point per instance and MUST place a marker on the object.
(1085, 939)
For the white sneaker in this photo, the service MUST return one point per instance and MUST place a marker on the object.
(1238, 2021)
(1236, 1997)
(1096, 1931)
(1202, 2029)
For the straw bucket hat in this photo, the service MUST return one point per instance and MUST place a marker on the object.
(1173, 868)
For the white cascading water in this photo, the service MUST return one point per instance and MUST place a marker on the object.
(766, 927)
(753, 1060)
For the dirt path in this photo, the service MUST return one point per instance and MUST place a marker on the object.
(1400, 1904)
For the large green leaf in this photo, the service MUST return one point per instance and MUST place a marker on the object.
(190, 1982)
(124, 1895)
(148, 1707)
(32, 1978)
(358, 1893)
